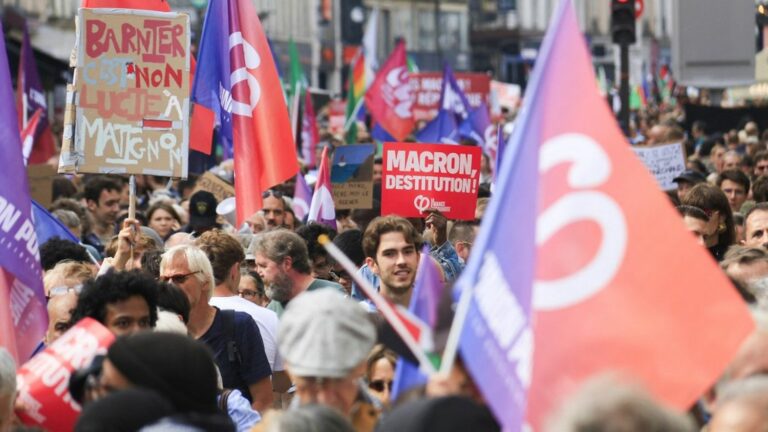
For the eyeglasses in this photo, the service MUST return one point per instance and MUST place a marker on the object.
(61, 290)
(250, 293)
(179, 278)
(272, 192)
(378, 385)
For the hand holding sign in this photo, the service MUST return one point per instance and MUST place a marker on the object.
(127, 239)
(437, 224)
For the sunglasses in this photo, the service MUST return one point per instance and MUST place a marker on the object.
(61, 290)
(250, 293)
(378, 385)
(179, 278)
(272, 192)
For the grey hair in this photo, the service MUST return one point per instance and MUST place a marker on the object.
(281, 243)
(308, 418)
(67, 217)
(7, 374)
(197, 261)
(606, 404)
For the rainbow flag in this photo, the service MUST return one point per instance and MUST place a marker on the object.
(363, 68)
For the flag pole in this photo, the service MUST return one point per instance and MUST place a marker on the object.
(381, 304)
(295, 112)
(452, 343)
(132, 203)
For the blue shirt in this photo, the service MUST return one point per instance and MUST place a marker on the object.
(251, 366)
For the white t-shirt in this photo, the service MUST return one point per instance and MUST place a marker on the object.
(265, 318)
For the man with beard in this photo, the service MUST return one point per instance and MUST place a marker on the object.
(391, 247)
(282, 261)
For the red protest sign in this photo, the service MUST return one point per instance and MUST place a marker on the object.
(44, 380)
(426, 91)
(419, 176)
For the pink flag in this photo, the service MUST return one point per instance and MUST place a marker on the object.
(309, 134)
(390, 97)
(302, 197)
(322, 209)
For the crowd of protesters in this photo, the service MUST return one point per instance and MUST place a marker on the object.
(256, 327)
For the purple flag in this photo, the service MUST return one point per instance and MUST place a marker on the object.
(29, 98)
(24, 299)
(302, 197)
(478, 127)
(427, 290)
(454, 107)
(495, 288)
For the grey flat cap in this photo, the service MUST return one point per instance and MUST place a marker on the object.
(324, 335)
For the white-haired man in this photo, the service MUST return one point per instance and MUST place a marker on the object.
(233, 336)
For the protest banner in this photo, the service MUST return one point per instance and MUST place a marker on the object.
(43, 382)
(665, 162)
(352, 176)
(426, 88)
(417, 177)
(212, 183)
(130, 95)
(503, 95)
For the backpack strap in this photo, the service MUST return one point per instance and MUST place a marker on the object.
(228, 322)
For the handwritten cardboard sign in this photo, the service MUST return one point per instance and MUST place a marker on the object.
(130, 98)
(212, 183)
(426, 90)
(43, 381)
(352, 176)
(665, 162)
(417, 177)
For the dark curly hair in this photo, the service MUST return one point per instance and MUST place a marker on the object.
(310, 232)
(57, 249)
(172, 298)
(114, 287)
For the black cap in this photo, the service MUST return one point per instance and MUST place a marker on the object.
(690, 176)
(202, 210)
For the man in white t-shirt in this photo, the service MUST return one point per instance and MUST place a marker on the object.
(226, 254)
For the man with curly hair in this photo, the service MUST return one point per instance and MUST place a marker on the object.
(124, 302)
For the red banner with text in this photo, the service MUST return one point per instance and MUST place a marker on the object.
(44, 380)
(417, 177)
(426, 88)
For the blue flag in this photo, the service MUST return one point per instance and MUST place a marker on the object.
(441, 129)
(427, 290)
(381, 135)
(48, 227)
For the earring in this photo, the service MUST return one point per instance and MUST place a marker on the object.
(721, 228)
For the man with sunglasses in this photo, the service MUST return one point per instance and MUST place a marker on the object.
(233, 336)
(273, 208)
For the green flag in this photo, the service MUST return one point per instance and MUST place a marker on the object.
(298, 81)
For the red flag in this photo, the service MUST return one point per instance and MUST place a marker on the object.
(28, 134)
(620, 284)
(309, 134)
(237, 72)
(389, 99)
(202, 119)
